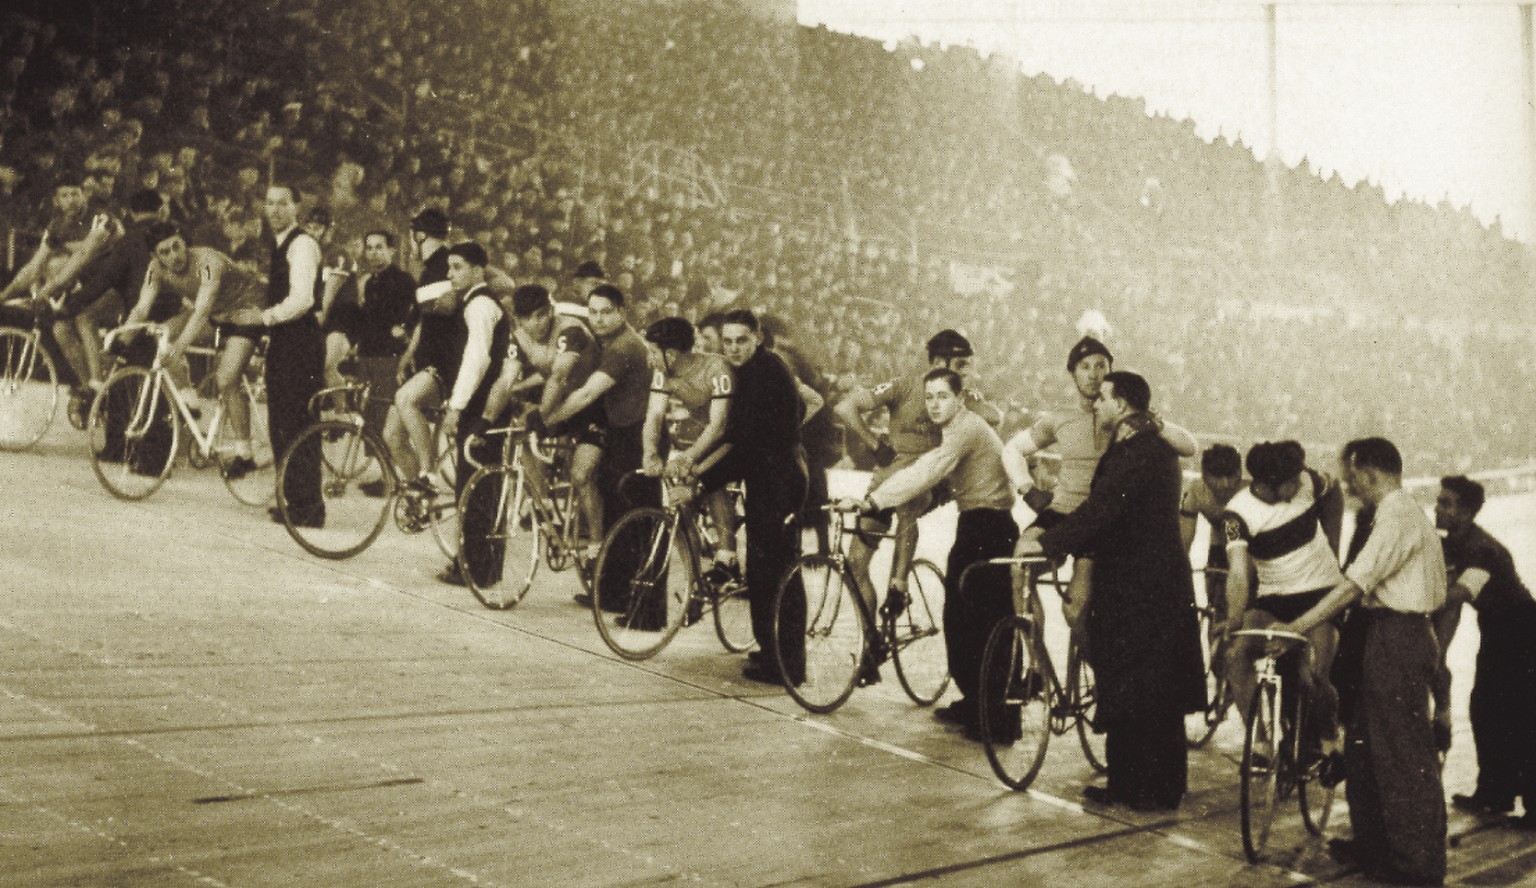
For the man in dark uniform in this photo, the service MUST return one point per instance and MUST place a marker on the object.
(295, 366)
(764, 435)
(377, 324)
(1481, 572)
(1143, 638)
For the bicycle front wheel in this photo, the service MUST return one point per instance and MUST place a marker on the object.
(133, 434)
(29, 390)
(917, 636)
(357, 486)
(258, 486)
(1315, 799)
(497, 558)
(1085, 698)
(642, 584)
(1259, 789)
(834, 634)
(1015, 701)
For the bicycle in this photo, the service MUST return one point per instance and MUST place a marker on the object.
(1275, 759)
(359, 485)
(650, 580)
(1201, 725)
(841, 632)
(531, 483)
(135, 426)
(29, 383)
(1018, 719)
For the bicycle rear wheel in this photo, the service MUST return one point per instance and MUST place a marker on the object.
(642, 583)
(1084, 691)
(1259, 790)
(917, 636)
(733, 617)
(258, 487)
(835, 632)
(29, 390)
(497, 558)
(1016, 717)
(133, 434)
(1200, 726)
(353, 466)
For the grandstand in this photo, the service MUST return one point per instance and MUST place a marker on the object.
(811, 174)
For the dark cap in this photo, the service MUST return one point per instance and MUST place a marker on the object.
(589, 269)
(949, 344)
(432, 222)
(470, 252)
(528, 299)
(673, 333)
(1276, 462)
(1085, 347)
(319, 215)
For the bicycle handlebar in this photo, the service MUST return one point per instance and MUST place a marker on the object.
(1272, 635)
(1026, 561)
(156, 329)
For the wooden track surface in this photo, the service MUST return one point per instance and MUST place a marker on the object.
(187, 698)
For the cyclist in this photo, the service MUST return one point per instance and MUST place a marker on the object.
(1221, 477)
(913, 433)
(1078, 439)
(690, 402)
(212, 286)
(1282, 538)
(428, 359)
(551, 355)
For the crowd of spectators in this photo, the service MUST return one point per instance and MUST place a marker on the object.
(868, 194)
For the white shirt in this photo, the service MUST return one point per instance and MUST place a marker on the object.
(1402, 566)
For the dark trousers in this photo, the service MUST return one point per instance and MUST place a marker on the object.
(621, 491)
(1504, 718)
(379, 374)
(971, 614)
(774, 495)
(1147, 758)
(1396, 799)
(295, 371)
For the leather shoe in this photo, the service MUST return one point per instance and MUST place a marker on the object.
(959, 713)
(451, 575)
(764, 674)
(1099, 795)
(1475, 804)
(583, 598)
(1524, 821)
(1344, 851)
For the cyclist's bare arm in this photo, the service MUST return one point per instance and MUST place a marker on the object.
(1331, 515)
(595, 387)
(147, 295)
(852, 409)
(650, 433)
(30, 273)
(1239, 581)
(810, 400)
(1181, 439)
(403, 370)
(103, 229)
(1187, 527)
(559, 380)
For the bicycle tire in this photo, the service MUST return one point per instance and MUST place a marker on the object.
(1016, 720)
(836, 628)
(917, 636)
(1200, 726)
(1258, 788)
(1084, 693)
(1314, 799)
(733, 617)
(498, 564)
(132, 452)
(259, 486)
(563, 536)
(29, 390)
(350, 458)
(642, 583)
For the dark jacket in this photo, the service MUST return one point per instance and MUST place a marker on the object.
(1143, 634)
(764, 424)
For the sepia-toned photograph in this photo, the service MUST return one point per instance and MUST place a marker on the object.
(767, 443)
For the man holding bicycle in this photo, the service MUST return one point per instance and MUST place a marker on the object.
(214, 287)
(982, 476)
(1282, 537)
(1388, 663)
